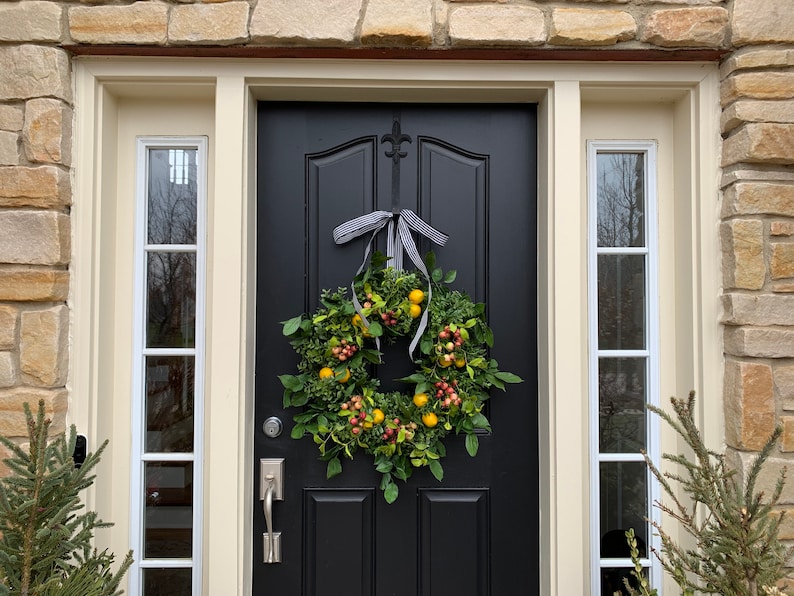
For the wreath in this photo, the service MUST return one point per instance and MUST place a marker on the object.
(344, 411)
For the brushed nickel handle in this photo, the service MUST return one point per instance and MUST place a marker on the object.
(271, 488)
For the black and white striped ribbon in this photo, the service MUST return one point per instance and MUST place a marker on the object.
(399, 238)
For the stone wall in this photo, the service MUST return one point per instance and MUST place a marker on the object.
(757, 94)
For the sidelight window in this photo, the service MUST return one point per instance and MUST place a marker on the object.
(167, 416)
(624, 354)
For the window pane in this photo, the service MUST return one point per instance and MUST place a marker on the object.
(621, 408)
(621, 302)
(169, 403)
(624, 505)
(166, 582)
(621, 199)
(168, 530)
(171, 293)
(172, 196)
(612, 579)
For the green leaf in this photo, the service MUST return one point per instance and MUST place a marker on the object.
(299, 399)
(436, 469)
(297, 431)
(391, 493)
(480, 421)
(291, 382)
(472, 444)
(508, 377)
(375, 329)
(287, 401)
(430, 260)
(384, 466)
(414, 378)
(437, 275)
(450, 276)
(334, 468)
(291, 325)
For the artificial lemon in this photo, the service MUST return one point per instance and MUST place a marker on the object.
(326, 372)
(378, 416)
(429, 419)
(420, 399)
(416, 296)
(460, 362)
(345, 377)
(415, 311)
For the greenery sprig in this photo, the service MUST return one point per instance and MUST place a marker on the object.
(343, 409)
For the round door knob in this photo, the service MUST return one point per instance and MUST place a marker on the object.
(272, 427)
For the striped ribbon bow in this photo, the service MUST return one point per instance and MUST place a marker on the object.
(399, 238)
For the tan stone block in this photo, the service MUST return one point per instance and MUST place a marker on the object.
(12, 414)
(590, 27)
(44, 346)
(9, 148)
(486, 25)
(34, 238)
(759, 342)
(42, 186)
(398, 22)
(8, 370)
(743, 254)
(769, 475)
(787, 439)
(749, 404)
(783, 287)
(757, 85)
(28, 71)
(757, 309)
(760, 143)
(747, 110)
(751, 198)
(11, 117)
(687, 27)
(34, 285)
(784, 381)
(220, 24)
(9, 317)
(781, 265)
(331, 22)
(138, 23)
(762, 21)
(30, 20)
(781, 228)
(47, 132)
(751, 57)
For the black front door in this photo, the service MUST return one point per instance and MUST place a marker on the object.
(469, 171)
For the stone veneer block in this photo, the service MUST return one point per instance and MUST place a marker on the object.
(784, 381)
(781, 264)
(221, 24)
(34, 238)
(43, 345)
(781, 228)
(787, 439)
(743, 254)
(756, 58)
(756, 198)
(43, 186)
(760, 143)
(769, 475)
(758, 309)
(30, 20)
(762, 21)
(757, 85)
(28, 71)
(47, 133)
(743, 111)
(11, 118)
(138, 23)
(33, 285)
(759, 342)
(702, 27)
(398, 22)
(8, 327)
(12, 415)
(9, 148)
(749, 404)
(8, 370)
(497, 26)
(590, 27)
(331, 22)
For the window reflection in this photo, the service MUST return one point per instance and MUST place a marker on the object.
(167, 582)
(173, 196)
(168, 531)
(621, 302)
(171, 285)
(169, 403)
(622, 396)
(621, 199)
(624, 498)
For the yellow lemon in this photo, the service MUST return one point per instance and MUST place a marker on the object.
(420, 399)
(378, 416)
(460, 362)
(367, 425)
(416, 296)
(345, 377)
(443, 362)
(356, 320)
(416, 310)
(326, 372)
(429, 419)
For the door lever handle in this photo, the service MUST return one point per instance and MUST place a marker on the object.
(271, 487)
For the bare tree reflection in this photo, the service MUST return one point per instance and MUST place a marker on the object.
(171, 315)
(621, 199)
(172, 196)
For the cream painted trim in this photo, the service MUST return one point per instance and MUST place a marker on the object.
(101, 361)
